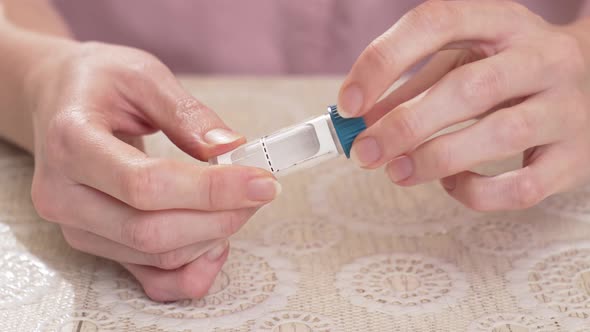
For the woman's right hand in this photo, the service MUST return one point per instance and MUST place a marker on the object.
(166, 221)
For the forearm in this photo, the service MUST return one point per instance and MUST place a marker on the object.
(30, 31)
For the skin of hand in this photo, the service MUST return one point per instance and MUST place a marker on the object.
(525, 81)
(165, 221)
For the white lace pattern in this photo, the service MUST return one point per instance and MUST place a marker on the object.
(253, 282)
(551, 282)
(401, 284)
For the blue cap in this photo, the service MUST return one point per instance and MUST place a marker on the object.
(347, 129)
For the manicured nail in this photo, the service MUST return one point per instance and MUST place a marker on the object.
(217, 251)
(221, 136)
(351, 101)
(366, 151)
(400, 168)
(449, 183)
(263, 189)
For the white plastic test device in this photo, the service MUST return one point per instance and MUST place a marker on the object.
(301, 146)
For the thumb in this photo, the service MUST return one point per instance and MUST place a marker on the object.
(188, 123)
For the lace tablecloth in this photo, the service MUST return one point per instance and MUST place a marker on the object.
(341, 250)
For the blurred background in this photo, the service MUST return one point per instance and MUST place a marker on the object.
(263, 37)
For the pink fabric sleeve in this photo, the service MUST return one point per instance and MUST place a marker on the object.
(254, 37)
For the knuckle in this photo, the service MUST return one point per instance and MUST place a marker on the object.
(515, 8)
(514, 11)
(514, 132)
(476, 204)
(170, 260)
(154, 291)
(146, 63)
(570, 57)
(229, 224)
(577, 114)
(190, 110)
(208, 189)
(140, 185)
(62, 136)
(481, 83)
(72, 239)
(43, 201)
(90, 48)
(193, 286)
(538, 60)
(473, 197)
(140, 63)
(405, 125)
(379, 54)
(143, 234)
(56, 141)
(442, 158)
(433, 15)
(474, 200)
(528, 192)
(192, 115)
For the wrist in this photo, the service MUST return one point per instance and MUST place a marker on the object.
(23, 54)
(44, 69)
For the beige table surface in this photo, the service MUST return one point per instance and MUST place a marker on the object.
(340, 250)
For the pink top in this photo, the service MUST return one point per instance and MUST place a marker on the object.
(254, 37)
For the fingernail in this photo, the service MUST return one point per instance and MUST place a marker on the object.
(351, 101)
(217, 251)
(263, 189)
(221, 136)
(400, 169)
(366, 151)
(449, 183)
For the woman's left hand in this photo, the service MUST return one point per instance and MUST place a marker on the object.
(525, 80)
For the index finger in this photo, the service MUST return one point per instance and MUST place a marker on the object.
(421, 32)
(99, 160)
